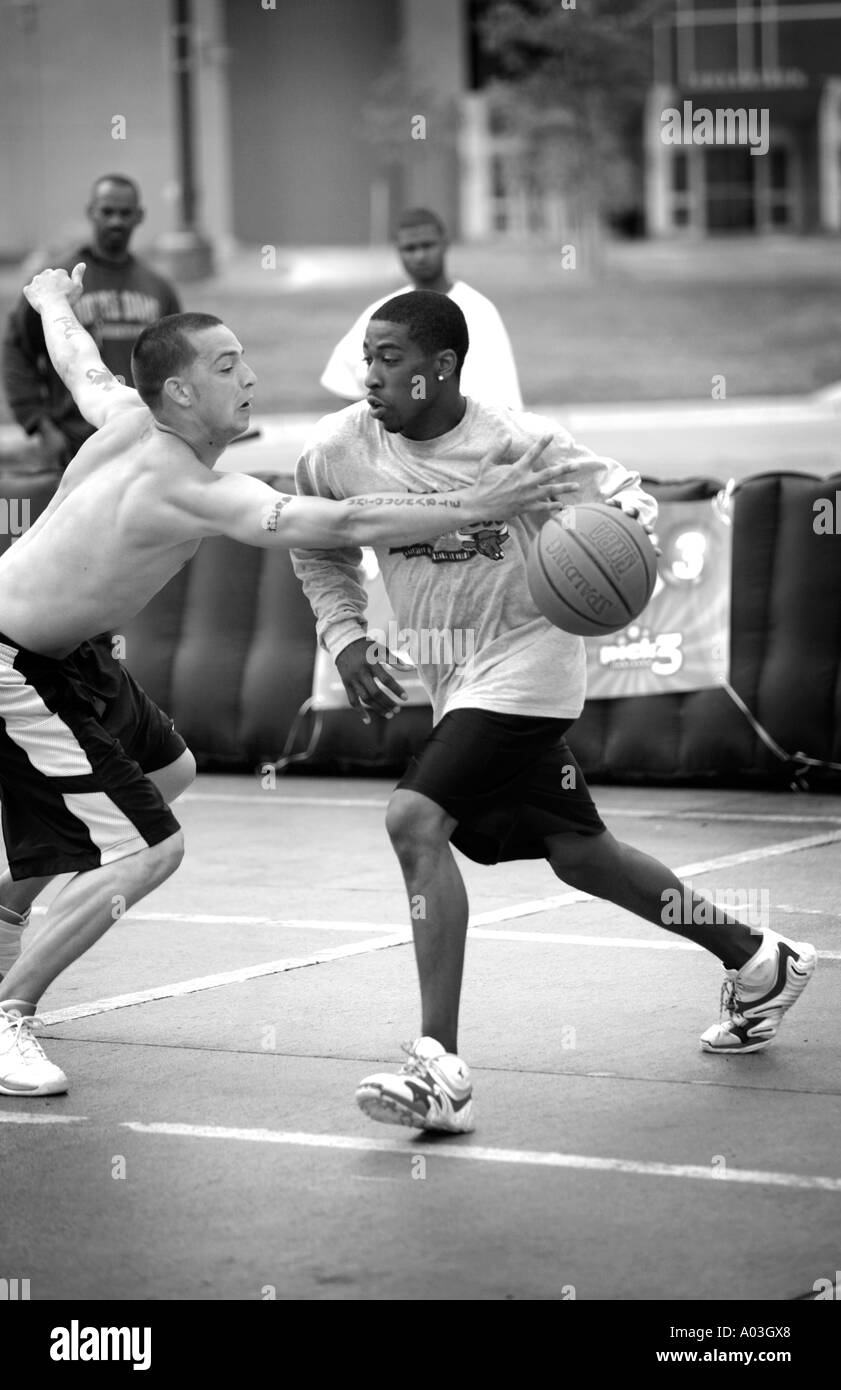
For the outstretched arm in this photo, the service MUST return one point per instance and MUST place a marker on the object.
(233, 504)
(73, 352)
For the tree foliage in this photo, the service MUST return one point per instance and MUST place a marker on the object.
(583, 72)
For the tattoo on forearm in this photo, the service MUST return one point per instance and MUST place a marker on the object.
(271, 514)
(70, 326)
(410, 500)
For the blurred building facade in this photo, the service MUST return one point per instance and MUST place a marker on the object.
(750, 57)
(283, 150)
(315, 121)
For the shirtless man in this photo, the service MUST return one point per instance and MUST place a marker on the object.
(130, 511)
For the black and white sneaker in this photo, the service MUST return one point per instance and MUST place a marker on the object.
(754, 999)
(431, 1090)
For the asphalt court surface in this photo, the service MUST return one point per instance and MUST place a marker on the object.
(210, 1147)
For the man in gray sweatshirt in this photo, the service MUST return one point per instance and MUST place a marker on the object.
(496, 777)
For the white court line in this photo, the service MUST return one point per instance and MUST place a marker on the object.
(398, 929)
(383, 943)
(230, 977)
(703, 866)
(500, 914)
(288, 802)
(623, 943)
(476, 1154)
(23, 1117)
(401, 937)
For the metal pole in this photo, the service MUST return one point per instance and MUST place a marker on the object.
(182, 67)
(185, 253)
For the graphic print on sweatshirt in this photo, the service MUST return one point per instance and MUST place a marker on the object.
(481, 538)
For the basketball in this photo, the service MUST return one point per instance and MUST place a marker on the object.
(592, 569)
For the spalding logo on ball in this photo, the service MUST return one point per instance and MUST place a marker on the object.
(593, 571)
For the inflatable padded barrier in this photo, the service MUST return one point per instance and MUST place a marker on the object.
(228, 647)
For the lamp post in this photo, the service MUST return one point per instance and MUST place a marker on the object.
(184, 253)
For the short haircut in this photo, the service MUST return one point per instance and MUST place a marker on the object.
(419, 217)
(117, 178)
(434, 322)
(163, 349)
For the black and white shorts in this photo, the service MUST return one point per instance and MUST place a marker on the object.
(511, 781)
(75, 794)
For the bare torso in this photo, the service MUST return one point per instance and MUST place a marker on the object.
(113, 535)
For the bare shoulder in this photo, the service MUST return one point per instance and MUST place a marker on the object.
(132, 420)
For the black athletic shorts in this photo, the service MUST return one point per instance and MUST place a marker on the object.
(509, 780)
(147, 734)
(74, 797)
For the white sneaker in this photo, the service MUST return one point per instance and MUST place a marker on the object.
(754, 999)
(24, 1069)
(431, 1090)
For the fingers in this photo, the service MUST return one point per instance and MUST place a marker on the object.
(77, 274)
(375, 690)
(552, 477)
(629, 511)
(398, 700)
(551, 489)
(389, 686)
(500, 452)
(534, 450)
(647, 526)
(401, 663)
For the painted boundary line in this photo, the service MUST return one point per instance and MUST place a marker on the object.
(473, 1153)
(230, 977)
(502, 914)
(381, 943)
(23, 1117)
(702, 866)
(477, 1154)
(402, 937)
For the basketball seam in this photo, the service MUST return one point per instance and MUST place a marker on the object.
(599, 559)
(589, 506)
(577, 611)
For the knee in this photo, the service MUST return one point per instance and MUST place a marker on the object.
(167, 855)
(580, 860)
(415, 825)
(171, 781)
(185, 767)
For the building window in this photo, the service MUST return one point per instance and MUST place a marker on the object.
(716, 48)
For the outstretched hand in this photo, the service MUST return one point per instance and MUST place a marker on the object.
(523, 485)
(47, 284)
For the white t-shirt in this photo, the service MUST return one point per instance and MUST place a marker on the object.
(481, 641)
(489, 372)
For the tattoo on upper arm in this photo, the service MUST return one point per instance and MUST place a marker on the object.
(410, 500)
(100, 376)
(271, 514)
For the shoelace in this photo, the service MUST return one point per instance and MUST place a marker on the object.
(413, 1065)
(24, 1039)
(728, 999)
